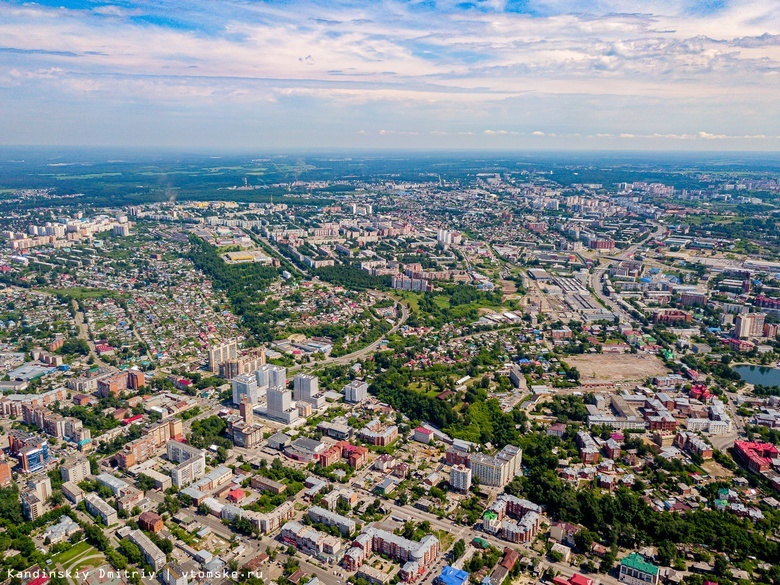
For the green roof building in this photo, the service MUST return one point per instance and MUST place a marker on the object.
(635, 570)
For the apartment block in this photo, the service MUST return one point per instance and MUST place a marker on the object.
(356, 391)
(75, 469)
(499, 470)
(150, 551)
(322, 516)
(98, 507)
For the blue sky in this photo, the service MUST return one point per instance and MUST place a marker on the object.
(471, 74)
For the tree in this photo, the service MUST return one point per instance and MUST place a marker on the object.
(145, 482)
(666, 552)
(458, 549)
(130, 551)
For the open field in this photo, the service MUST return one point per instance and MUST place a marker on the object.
(610, 368)
(72, 553)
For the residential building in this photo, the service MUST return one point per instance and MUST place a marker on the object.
(756, 456)
(635, 570)
(306, 389)
(375, 433)
(245, 385)
(151, 553)
(356, 391)
(271, 376)
(320, 515)
(75, 469)
(749, 325)
(460, 478)
(221, 353)
(32, 504)
(279, 400)
(416, 556)
(309, 540)
(5, 473)
(512, 519)
(589, 451)
(98, 507)
(499, 470)
(191, 463)
(73, 493)
(117, 486)
(150, 522)
(174, 574)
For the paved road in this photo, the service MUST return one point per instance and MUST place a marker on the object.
(597, 276)
(84, 334)
(356, 355)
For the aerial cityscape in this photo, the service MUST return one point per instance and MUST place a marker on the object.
(429, 369)
(410, 292)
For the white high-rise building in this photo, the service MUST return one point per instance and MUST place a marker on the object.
(270, 376)
(279, 399)
(306, 389)
(356, 391)
(280, 405)
(460, 478)
(245, 385)
(499, 470)
(305, 386)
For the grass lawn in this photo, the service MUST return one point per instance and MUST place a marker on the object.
(93, 561)
(79, 293)
(445, 539)
(71, 553)
(442, 302)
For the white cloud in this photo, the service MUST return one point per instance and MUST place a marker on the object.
(455, 68)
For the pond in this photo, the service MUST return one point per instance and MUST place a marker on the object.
(759, 375)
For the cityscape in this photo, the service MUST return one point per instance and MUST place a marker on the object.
(409, 292)
(501, 372)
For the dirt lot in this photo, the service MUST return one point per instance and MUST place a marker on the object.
(716, 470)
(610, 368)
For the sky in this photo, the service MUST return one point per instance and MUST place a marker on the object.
(394, 74)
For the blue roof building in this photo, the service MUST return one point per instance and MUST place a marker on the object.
(452, 576)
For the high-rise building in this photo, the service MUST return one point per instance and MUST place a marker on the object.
(306, 389)
(356, 391)
(247, 414)
(5, 473)
(460, 478)
(245, 385)
(280, 407)
(221, 353)
(499, 470)
(245, 364)
(749, 325)
(270, 376)
(305, 386)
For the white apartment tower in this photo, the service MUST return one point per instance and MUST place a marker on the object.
(460, 478)
(356, 391)
(245, 385)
